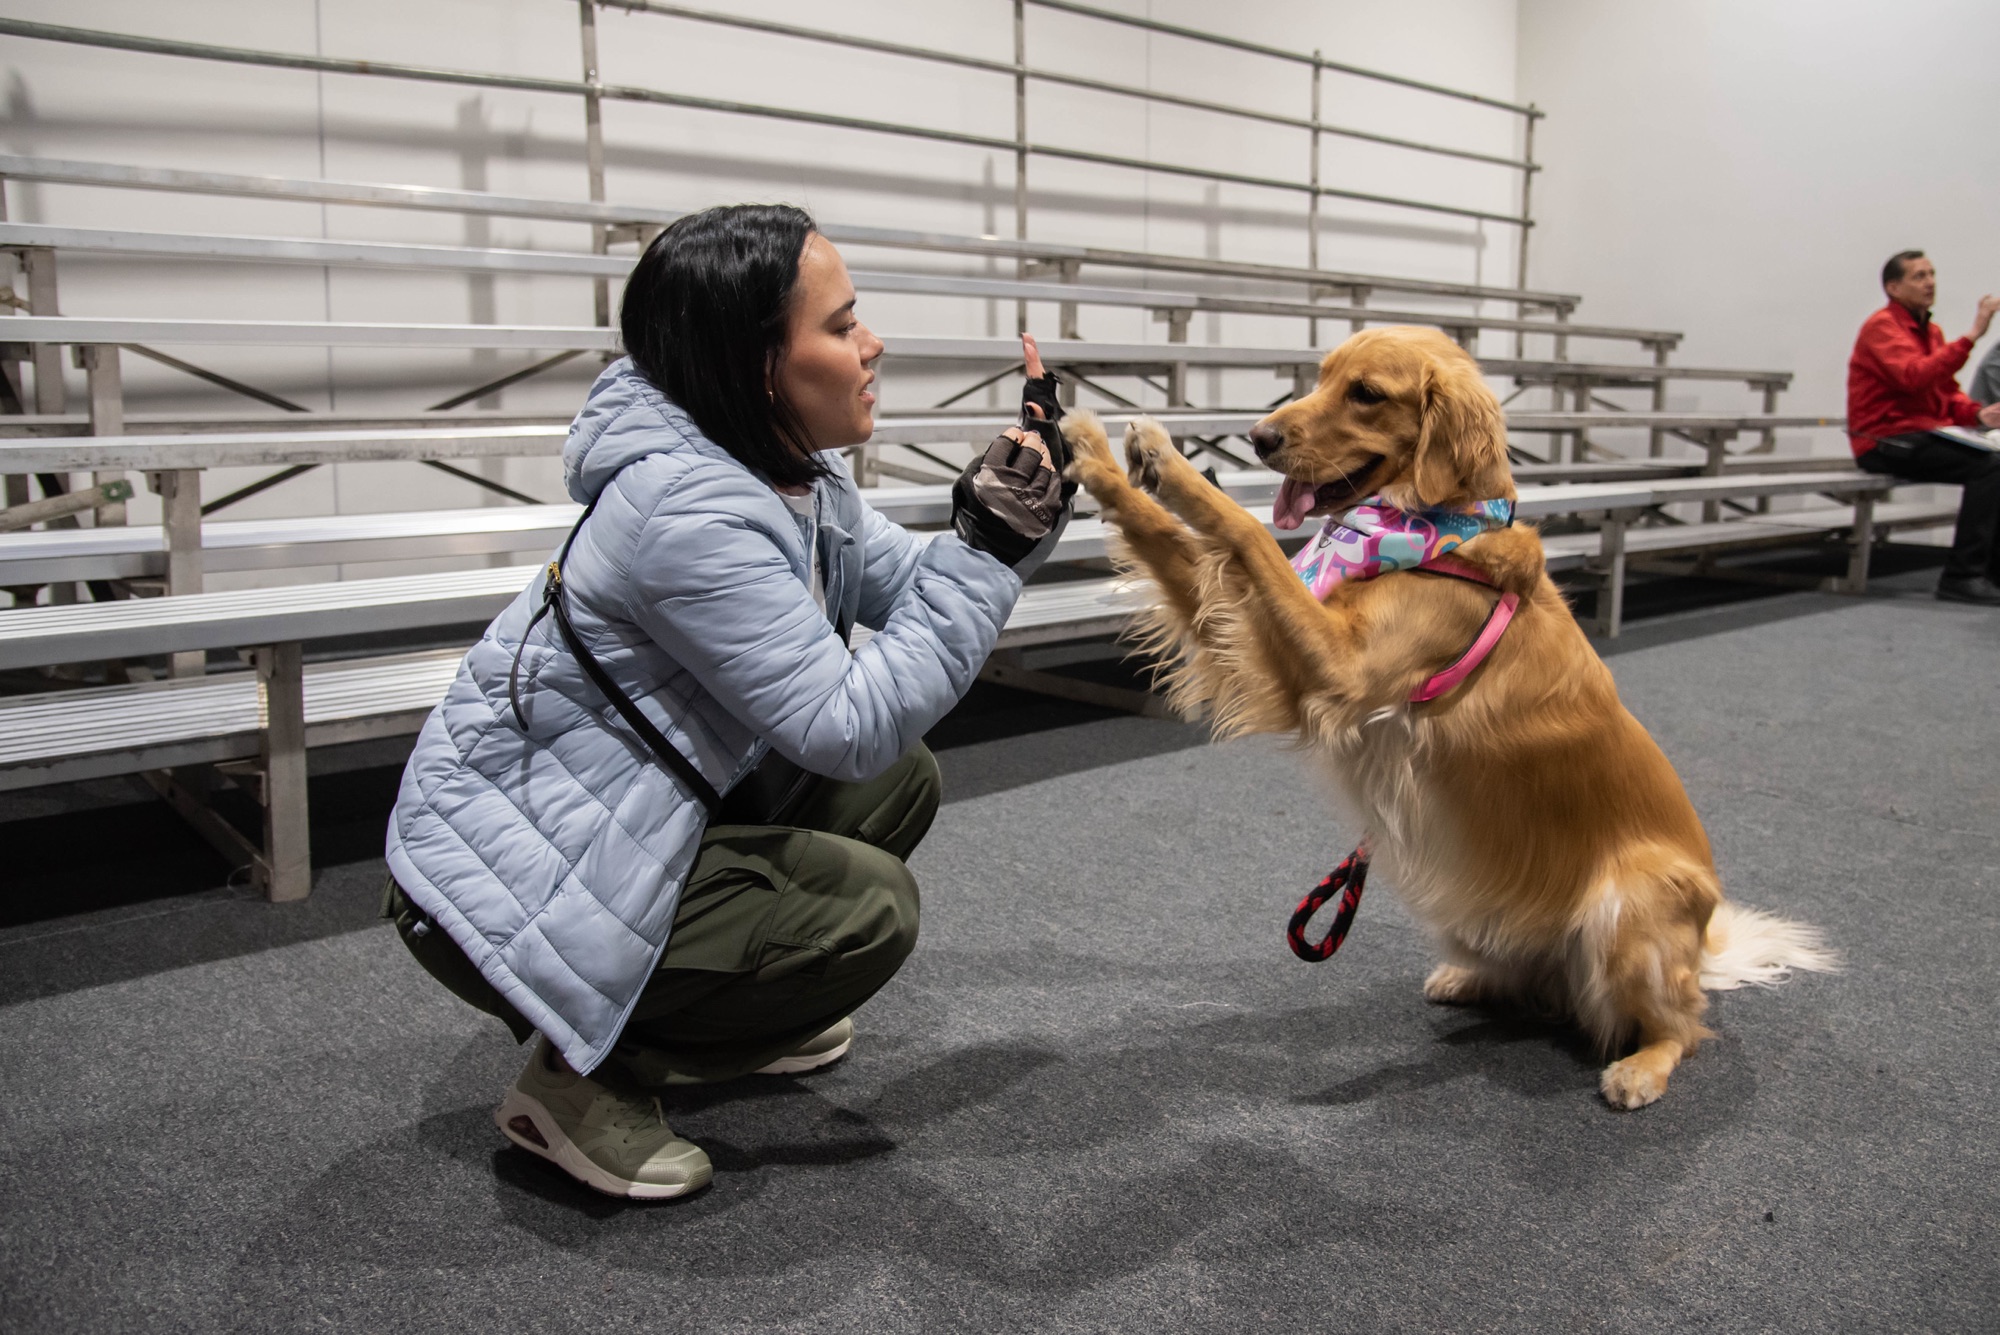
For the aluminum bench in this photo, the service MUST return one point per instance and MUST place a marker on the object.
(274, 624)
(176, 731)
(1608, 551)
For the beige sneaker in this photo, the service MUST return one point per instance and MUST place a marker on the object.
(616, 1142)
(650, 1068)
(825, 1050)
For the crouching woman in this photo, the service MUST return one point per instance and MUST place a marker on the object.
(659, 822)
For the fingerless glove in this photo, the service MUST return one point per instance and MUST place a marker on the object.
(1008, 501)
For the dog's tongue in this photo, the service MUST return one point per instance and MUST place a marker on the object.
(1295, 501)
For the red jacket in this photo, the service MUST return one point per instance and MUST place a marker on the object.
(1900, 379)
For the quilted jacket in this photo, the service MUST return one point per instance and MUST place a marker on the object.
(554, 853)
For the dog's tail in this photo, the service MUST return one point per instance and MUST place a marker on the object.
(1747, 946)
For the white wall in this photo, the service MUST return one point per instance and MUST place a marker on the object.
(1741, 171)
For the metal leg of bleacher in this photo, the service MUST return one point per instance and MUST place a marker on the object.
(1716, 445)
(1862, 546)
(1656, 439)
(38, 263)
(281, 863)
(179, 491)
(1610, 570)
(286, 866)
(107, 412)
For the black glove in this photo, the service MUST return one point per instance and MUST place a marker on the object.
(1041, 393)
(1010, 503)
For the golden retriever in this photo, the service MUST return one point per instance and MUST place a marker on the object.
(1526, 816)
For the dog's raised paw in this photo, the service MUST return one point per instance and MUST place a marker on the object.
(1091, 465)
(1146, 446)
(1084, 431)
(1632, 1083)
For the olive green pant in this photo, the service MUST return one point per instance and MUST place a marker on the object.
(781, 931)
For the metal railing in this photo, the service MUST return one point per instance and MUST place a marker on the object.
(595, 92)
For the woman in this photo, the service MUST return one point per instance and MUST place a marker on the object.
(553, 859)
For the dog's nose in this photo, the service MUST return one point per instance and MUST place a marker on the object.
(1267, 440)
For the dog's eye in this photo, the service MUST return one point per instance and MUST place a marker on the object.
(1363, 392)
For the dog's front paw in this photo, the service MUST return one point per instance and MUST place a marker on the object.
(1149, 453)
(1452, 985)
(1633, 1082)
(1092, 465)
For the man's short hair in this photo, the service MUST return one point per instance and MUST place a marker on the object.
(1892, 272)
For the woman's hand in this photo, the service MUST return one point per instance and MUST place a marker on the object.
(1040, 409)
(1013, 501)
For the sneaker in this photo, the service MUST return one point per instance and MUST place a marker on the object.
(825, 1050)
(650, 1069)
(1969, 589)
(616, 1142)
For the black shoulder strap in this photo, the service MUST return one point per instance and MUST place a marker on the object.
(553, 600)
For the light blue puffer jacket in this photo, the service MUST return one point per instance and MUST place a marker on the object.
(554, 856)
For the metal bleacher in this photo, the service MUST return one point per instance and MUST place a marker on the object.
(126, 602)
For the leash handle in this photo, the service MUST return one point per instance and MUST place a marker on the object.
(1347, 881)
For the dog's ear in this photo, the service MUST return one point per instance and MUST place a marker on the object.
(1461, 439)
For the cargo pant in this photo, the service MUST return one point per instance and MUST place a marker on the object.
(780, 932)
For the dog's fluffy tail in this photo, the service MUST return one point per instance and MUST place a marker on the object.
(1747, 946)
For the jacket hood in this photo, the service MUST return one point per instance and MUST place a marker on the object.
(624, 419)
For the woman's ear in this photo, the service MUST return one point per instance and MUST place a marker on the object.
(1461, 440)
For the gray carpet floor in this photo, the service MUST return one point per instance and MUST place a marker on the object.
(1102, 1096)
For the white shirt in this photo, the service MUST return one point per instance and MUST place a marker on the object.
(807, 507)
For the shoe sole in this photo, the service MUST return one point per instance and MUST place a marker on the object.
(563, 1153)
(798, 1065)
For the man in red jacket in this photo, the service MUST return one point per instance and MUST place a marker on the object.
(1902, 388)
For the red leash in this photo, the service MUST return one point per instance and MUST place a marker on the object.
(1347, 880)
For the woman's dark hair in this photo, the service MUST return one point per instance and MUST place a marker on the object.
(704, 319)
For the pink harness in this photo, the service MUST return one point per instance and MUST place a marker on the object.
(1482, 644)
(1376, 538)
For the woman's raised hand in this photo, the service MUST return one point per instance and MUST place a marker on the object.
(1013, 501)
(1032, 355)
(1038, 404)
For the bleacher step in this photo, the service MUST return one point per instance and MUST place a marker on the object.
(65, 736)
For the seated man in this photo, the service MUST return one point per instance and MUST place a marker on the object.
(1901, 390)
